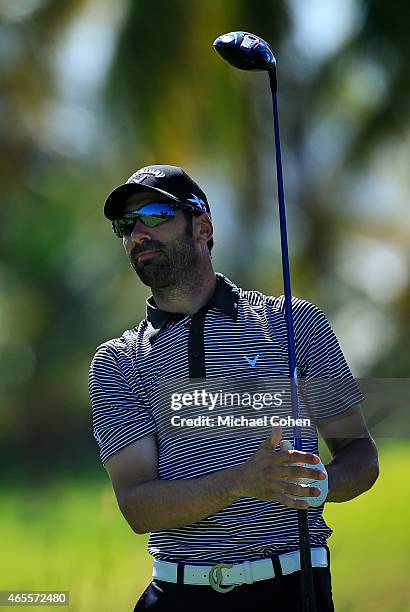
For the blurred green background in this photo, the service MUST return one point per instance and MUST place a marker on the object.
(91, 90)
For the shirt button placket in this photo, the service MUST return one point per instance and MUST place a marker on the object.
(196, 345)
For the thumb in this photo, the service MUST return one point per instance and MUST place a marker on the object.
(276, 435)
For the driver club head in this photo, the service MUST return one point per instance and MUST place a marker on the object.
(245, 51)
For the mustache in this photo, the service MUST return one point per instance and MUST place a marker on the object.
(146, 246)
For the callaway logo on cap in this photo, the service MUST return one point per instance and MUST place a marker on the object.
(169, 181)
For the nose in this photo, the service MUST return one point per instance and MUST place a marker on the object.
(140, 232)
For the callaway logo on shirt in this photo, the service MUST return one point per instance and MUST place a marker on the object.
(252, 362)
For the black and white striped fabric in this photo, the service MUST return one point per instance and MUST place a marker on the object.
(218, 342)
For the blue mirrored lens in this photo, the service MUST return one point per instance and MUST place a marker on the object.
(157, 209)
(151, 214)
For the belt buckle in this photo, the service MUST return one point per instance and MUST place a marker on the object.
(215, 578)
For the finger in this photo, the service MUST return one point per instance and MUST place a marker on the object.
(291, 502)
(299, 490)
(294, 456)
(298, 471)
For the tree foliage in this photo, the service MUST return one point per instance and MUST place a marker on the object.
(167, 98)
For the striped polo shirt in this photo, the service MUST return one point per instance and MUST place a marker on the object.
(220, 341)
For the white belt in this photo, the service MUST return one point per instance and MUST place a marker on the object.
(225, 574)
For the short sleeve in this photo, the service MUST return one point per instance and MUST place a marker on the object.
(327, 381)
(120, 407)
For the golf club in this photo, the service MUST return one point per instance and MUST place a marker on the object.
(249, 52)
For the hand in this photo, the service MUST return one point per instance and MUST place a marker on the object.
(322, 484)
(273, 475)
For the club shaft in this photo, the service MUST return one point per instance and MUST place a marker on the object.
(308, 597)
(286, 276)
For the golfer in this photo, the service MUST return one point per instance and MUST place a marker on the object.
(220, 510)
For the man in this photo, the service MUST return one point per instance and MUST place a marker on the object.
(220, 510)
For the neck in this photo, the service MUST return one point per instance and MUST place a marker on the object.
(189, 296)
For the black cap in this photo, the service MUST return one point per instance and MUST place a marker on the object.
(170, 181)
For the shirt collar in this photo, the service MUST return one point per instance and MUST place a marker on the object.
(225, 297)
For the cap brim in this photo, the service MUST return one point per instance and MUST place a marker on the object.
(114, 204)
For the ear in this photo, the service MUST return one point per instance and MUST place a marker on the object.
(203, 230)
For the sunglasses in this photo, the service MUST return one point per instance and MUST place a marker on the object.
(150, 215)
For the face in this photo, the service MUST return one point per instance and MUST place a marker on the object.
(165, 255)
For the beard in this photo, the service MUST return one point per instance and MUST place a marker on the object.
(176, 264)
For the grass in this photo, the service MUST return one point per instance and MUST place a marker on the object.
(73, 537)
(370, 546)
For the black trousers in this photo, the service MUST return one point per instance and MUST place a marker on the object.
(275, 594)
